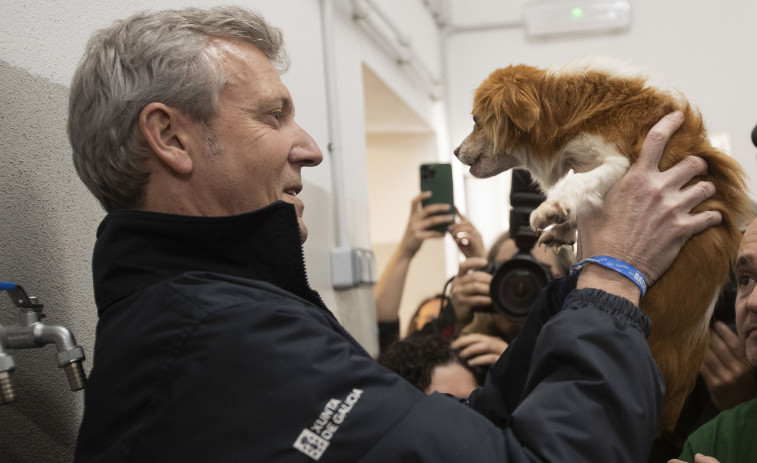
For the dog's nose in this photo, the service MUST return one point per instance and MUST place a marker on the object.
(457, 152)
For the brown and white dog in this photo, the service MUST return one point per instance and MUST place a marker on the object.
(592, 120)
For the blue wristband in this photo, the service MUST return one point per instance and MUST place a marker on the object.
(619, 266)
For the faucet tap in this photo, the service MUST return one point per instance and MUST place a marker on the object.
(7, 365)
(30, 332)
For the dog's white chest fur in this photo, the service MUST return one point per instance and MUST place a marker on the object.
(596, 166)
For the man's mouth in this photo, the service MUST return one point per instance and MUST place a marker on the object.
(290, 196)
(293, 191)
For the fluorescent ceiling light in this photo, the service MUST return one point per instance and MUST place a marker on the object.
(542, 17)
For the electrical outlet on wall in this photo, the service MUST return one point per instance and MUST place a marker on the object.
(352, 267)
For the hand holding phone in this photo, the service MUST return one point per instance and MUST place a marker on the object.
(437, 178)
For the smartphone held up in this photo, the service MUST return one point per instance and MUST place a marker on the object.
(437, 178)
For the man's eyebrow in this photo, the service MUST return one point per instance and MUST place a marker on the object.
(285, 103)
(744, 261)
(266, 104)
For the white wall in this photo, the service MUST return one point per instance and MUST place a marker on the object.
(48, 219)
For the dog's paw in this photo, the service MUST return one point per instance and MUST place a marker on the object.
(552, 212)
(555, 236)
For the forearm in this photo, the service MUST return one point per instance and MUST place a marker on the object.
(390, 286)
(586, 363)
(591, 364)
(506, 379)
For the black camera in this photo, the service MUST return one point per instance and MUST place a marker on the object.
(516, 283)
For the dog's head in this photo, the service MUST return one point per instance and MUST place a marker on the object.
(505, 108)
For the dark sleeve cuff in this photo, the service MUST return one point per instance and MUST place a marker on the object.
(624, 312)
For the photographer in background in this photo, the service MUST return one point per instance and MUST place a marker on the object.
(391, 283)
(485, 335)
(492, 297)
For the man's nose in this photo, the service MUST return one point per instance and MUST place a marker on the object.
(306, 151)
(751, 302)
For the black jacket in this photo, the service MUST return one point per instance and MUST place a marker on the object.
(211, 347)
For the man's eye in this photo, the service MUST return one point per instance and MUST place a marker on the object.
(745, 285)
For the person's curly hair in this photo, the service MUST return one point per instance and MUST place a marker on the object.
(415, 357)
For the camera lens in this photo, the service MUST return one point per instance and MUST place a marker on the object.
(427, 172)
(516, 285)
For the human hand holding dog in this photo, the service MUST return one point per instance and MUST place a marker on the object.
(726, 370)
(646, 218)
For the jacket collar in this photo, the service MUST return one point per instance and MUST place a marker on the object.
(136, 249)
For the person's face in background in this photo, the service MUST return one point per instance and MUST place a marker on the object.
(746, 295)
(428, 312)
(452, 378)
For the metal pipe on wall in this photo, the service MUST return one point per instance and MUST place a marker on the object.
(334, 129)
(376, 21)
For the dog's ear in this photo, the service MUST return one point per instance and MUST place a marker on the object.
(514, 95)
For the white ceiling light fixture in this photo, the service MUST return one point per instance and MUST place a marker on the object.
(546, 17)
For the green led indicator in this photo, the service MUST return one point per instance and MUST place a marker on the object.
(577, 12)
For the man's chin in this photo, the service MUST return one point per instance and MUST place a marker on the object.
(303, 229)
(751, 347)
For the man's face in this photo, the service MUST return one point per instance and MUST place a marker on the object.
(254, 150)
(746, 296)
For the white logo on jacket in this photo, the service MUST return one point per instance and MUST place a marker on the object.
(313, 442)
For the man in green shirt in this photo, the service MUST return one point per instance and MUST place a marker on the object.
(729, 437)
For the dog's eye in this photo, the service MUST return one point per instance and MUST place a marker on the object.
(475, 122)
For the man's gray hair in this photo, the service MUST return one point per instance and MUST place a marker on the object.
(150, 57)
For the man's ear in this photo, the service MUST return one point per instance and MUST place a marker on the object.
(167, 132)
